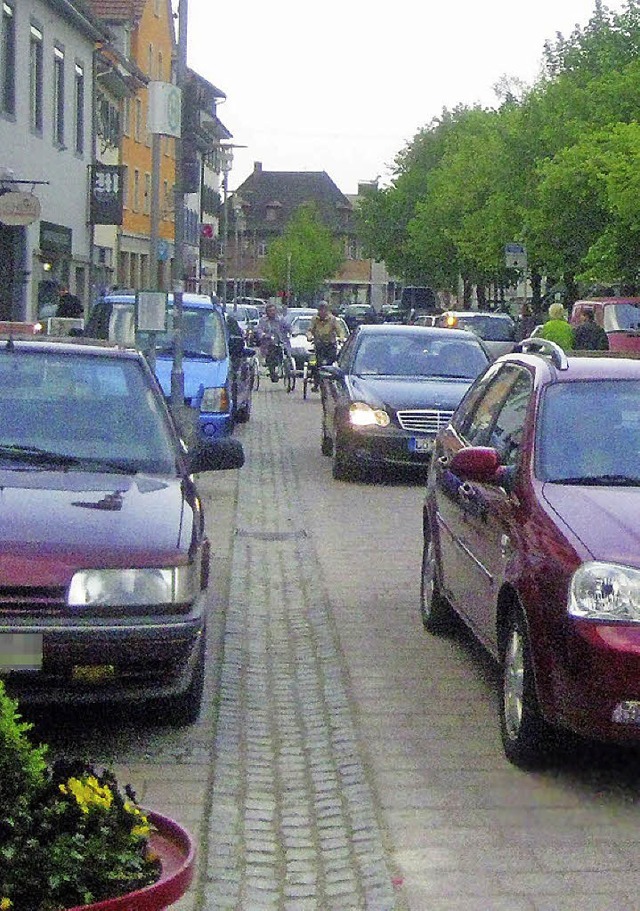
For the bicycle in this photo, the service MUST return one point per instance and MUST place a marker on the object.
(281, 366)
(309, 373)
(254, 365)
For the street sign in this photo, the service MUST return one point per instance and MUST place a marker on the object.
(515, 256)
(151, 308)
(165, 109)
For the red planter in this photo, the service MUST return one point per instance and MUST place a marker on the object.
(176, 850)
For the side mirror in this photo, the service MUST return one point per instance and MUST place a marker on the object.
(215, 455)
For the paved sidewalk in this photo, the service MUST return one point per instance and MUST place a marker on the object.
(293, 821)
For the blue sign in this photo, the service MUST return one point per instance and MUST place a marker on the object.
(163, 251)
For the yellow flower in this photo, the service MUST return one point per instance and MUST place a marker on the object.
(88, 793)
(5, 904)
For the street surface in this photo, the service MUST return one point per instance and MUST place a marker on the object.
(345, 759)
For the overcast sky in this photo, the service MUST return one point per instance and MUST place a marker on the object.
(342, 86)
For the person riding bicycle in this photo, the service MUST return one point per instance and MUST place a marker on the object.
(271, 333)
(324, 332)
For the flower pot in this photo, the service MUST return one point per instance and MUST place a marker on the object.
(176, 850)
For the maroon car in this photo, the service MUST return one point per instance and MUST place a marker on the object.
(532, 538)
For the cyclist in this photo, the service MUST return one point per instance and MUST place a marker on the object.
(324, 332)
(271, 334)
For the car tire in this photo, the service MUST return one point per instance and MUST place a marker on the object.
(185, 709)
(526, 737)
(438, 617)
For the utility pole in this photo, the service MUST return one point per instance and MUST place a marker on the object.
(177, 371)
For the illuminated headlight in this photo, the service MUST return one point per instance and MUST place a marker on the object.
(363, 415)
(605, 591)
(131, 587)
(215, 398)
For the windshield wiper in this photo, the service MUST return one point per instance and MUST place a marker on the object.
(35, 456)
(600, 480)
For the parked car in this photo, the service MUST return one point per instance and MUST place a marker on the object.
(618, 316)
(497, 330)
(391, 313)
(104, 557)
(246, 315)
(531, 537)
(301, 346)
(391, 391)
(356, 315)
(217, 374)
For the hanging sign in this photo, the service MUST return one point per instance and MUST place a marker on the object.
(106, 194)
(19, 209)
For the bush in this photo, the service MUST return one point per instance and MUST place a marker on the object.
(68, 834)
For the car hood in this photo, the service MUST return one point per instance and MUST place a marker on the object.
(605, 519)
(197, 373)
(401, 392)
(54, 522)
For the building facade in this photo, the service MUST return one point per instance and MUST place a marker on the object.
(46, 149)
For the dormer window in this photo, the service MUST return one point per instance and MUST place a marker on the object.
(273, 209)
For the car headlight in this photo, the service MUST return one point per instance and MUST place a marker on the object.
(215, 398)
(605, 591)
(134, 587)
(363, 415)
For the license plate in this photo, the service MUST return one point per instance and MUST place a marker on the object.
(20, 652)
(420, 444)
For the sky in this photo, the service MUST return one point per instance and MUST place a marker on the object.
(342, 86)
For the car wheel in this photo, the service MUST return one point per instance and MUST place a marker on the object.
(437, 615)
(526, 736)
(185, 709)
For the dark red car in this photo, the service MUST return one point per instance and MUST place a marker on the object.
(532, 538)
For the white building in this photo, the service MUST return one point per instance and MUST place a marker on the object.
(46, 148)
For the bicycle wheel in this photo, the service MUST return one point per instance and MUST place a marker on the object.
(255, 382)
(305, 379)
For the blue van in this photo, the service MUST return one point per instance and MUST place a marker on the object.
(216, 366)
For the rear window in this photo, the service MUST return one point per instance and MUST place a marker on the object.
(621, 316)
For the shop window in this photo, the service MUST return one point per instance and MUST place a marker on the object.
(79, 108)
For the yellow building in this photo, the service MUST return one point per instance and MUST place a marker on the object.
(143, 31)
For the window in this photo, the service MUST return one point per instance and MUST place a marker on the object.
(156, 7)
(262, 248)
(79, 108)
(147, 194)
(125, 186)
(137, 126)
(160, 66)
(126, 116)
(58, 96)
(8, 60)
(150, 61)
(35, 78)
(136, 191)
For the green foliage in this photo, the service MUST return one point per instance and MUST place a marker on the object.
(68, 834)
(554, 167)
(304, 256)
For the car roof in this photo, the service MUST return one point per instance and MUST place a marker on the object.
(467, 313)
(561, 367)
(427, 331)
(192, 300)
(92, 347)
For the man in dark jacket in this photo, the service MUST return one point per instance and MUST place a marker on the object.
(589, 336)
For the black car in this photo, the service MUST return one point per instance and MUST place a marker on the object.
(393, 389)
(356, 315)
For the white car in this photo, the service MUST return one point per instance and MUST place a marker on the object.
(300, 344)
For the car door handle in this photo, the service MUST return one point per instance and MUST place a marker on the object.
(443, 461)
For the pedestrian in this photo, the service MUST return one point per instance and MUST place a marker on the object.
(589, 336)
(557, 328)
(69, 305)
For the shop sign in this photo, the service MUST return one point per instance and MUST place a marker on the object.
(107, 182)
(19, 209)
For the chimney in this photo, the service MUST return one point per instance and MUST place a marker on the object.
(257, 167)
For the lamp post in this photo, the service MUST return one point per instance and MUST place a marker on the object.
(226, 162)
(177, 371)
(239, 226)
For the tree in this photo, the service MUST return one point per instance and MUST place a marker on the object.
(304, 256)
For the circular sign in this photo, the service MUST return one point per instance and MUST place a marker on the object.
(19, 209)
(163, 251)
(174, 110)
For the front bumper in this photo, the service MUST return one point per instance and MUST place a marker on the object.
(110, 660)
(380, 446)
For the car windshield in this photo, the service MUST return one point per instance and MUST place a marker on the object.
(419, 356)
(489, 328)
(589, 433)
(621, 316)
(203, 334)
(64, 411)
